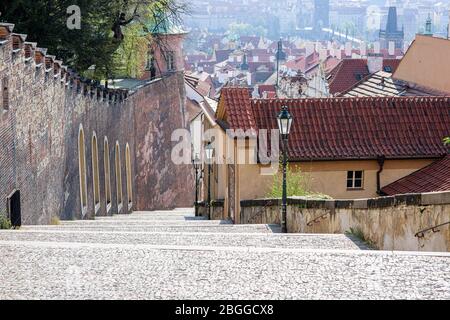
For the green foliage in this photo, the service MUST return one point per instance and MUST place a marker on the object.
(5, 223)
(447, 141)
(45, 22)
(236, 30)
(298, 185)
(55, 221)
(131, 56)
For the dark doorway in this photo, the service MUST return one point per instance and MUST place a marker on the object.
(14, 209)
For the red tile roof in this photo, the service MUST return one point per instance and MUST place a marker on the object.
(346, 74)
(222, 55)
(303, 63)
(250, 39)
(433, 178)
(349, 128)
(253, 66)
(351, 71)
(266, 88)
(238, 110)
(392, 63)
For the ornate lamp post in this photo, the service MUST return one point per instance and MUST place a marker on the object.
(209, 150)
(284, 125)
(198, 176)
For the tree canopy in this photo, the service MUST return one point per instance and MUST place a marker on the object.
(95, 43)
(236, 30)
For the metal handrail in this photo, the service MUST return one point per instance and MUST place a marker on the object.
(260, 212)
(421, 234)
(318, 219)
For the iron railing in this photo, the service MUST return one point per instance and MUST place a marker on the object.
(421, 233)
(318, 219)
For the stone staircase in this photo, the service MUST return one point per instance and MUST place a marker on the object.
(180, 228)
(174, 255)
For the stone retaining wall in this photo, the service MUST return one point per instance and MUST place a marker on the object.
(217, 210)
(389, 223)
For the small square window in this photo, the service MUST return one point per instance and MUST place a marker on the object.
(355, 179)
(5, 94)
(349, 183)
(170, 60)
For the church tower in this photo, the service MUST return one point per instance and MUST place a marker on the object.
(165, 51)
(392, 33)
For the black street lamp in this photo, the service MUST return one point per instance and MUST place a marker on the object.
(198, 175)
(284, 125)
(209, 150)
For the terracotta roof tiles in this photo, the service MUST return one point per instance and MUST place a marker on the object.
(238, 108)
(433, 178)
(349, 128)
(349, 72)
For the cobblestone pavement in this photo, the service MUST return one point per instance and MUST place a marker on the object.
(171, 255)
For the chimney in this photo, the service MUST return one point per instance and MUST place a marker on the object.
(338, 53)
(348, 49)
(329, 45)
(374, 62)
(249, 79)
(323, 54)
(309, 48)
(391, 48)
(363, 49)
(377, 47)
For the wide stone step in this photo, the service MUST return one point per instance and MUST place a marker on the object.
(150, 218)
(145, 223)
(252, 240)
(224, 228)
(54, 270)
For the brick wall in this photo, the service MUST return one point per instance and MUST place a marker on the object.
(39, 139)
(159, 110)
(389, 223)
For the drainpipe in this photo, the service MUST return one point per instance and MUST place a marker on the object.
(380, 160)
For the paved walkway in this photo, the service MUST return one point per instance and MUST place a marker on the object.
(172, 255)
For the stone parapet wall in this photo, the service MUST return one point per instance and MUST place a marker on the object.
(217, 210)
(388, 223)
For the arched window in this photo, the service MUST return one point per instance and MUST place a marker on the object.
(95, 173)
(107, 166)
(118, 167)
(82, 171)
(129, 176)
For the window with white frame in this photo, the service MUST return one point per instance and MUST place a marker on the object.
(355, 179)
(170, 60)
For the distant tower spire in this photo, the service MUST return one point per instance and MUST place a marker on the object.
(244, 65)
(391, 33)
(448, 27)
(429, 27)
